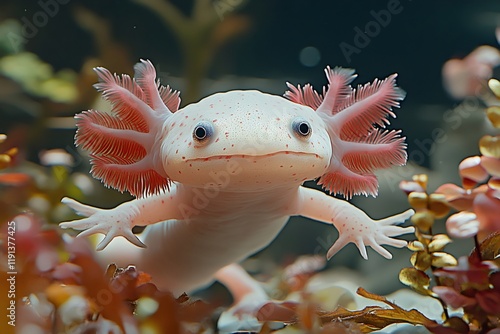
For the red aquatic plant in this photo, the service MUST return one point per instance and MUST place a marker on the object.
(478, 200)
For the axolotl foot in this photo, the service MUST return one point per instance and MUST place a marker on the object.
(363, 231)
(353, 224)
(112, 223)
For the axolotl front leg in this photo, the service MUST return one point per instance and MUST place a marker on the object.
(352, 223)
(120, 220)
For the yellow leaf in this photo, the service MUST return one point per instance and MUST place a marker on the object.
(439, 241)
(58, 293)
(416, 246)
(4, 161)
(421, 260)
(424, 238)
(13, 151)
(494, 183)
(418, 200)
(438, 205)
(490, 146)
(423, 220)
(421, 179)
(441, 259)
(416, 279)
(494, 85)
(493, 114)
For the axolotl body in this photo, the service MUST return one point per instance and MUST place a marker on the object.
(217, 180)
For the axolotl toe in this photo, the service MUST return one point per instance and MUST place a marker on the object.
(217, 180)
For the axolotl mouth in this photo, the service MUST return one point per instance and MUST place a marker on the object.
(249, 170)
(252, 156)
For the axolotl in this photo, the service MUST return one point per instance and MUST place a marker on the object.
(217, 180)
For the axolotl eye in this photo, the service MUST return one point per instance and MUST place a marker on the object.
(203, 131)
(301, 127)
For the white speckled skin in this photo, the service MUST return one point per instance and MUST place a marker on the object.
(232, 193)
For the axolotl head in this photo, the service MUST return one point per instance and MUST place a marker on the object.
(242, 140)
(245, 140)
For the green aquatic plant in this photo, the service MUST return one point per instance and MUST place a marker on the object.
(38, 78)
(201, 35)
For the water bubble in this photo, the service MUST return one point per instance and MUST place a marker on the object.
(309, 56)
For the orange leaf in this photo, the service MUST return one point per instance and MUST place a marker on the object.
(375, 317)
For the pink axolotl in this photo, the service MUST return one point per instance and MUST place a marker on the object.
(217, 180)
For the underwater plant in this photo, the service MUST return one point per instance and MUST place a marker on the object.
(38, 78)
(201, 35)
(59, 287)
(7, 156)
(471, 283)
